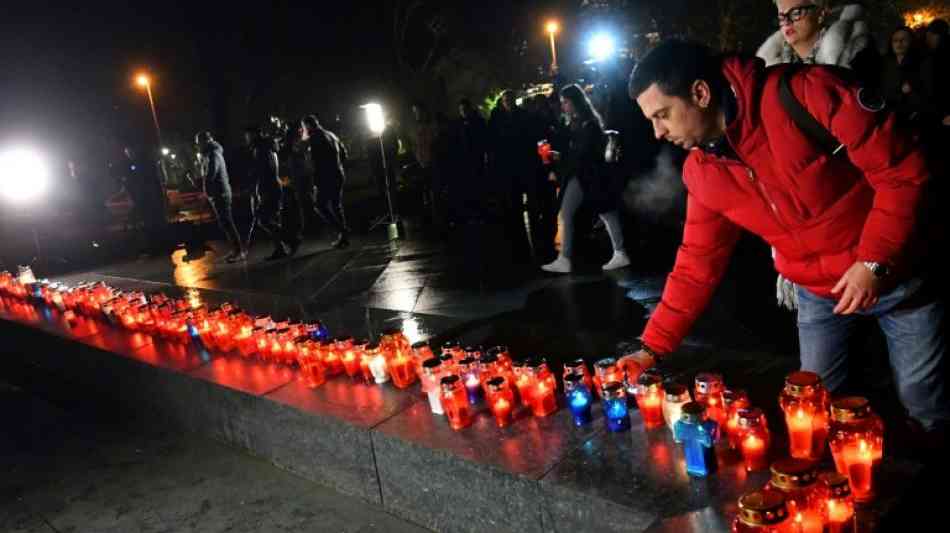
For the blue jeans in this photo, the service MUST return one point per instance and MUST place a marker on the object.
(915, 345)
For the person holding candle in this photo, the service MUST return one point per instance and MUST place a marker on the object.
(842, 228)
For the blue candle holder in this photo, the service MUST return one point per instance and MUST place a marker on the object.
(578, 399)
(698, 437)
(614, 403)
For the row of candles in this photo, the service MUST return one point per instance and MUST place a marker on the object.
(460, 381)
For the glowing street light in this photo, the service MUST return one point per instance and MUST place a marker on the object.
(143, 80)
(552, 27)
(24, 175)
(376, 120)
(602, 47)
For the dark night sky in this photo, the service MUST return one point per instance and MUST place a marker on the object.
(67, 66)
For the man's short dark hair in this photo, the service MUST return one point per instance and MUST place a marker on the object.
(673, 66)
(311, 121)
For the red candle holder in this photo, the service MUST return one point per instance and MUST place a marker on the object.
(331, 358)
(650, 399)
(448, 362)
(797, 479)
(504, 358)
(523, 381)
(245, 341)
(402, 370)
(734, 400)
(454, 348)
(751, 422)
(420, 352)
(348, 356)
(708, 388)
(762, 512)
(501, 400)
(312, 368)
(838, 509)
(543, 389)
(606, 371)
(455, 403)
(805, 403)
(579, 367)
(857, 444)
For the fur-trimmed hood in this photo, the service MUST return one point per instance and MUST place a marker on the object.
(840, 42)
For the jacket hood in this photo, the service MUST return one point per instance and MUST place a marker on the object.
(842, 40)
(743, 74)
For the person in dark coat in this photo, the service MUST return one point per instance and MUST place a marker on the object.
(584, 174)
(268, 197)
(515, 161)
(144, 184)
(901, 81)
(217, 187)
(298, 193)
(329, 155)
(470, 146)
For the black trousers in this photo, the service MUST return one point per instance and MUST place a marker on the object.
(267, 207)
(329, 203)
(221, 205)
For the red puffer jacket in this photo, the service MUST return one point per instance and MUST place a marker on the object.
(820, 213)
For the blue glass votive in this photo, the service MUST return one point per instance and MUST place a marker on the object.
(578, 399)
(698, 437)
(614, 403)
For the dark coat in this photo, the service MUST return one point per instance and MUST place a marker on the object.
(584, 161)
(328, 155)
(216, 182)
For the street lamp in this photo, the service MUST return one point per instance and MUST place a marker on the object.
(552, 28)
(376, 120)
(142, 80)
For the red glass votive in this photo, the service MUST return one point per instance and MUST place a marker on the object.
(455, 402)
(501, 400)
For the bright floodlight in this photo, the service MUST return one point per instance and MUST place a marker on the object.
(552, 26)
(165, 151)
(23, 174)
(142, 80)
(374, 115)
(602, 47)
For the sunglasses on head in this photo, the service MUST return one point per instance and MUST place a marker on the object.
(794, 14)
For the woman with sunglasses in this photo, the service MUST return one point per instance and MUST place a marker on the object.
(810, 32)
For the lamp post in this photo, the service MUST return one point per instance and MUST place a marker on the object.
(552, 28)
(377, 125)
(142, 80)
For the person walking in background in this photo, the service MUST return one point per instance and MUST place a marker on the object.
(268, 197)
(217, 187)
(425, 133)
(328, 155)
(583, 174)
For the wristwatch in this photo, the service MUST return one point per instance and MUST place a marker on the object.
(879, 270)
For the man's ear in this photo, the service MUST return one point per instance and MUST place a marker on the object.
(701, 93)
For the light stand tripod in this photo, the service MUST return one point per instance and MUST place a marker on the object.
(390, 217)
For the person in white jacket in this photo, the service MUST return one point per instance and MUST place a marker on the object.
(811, 32)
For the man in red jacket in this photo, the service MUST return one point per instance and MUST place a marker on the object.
(840, 224)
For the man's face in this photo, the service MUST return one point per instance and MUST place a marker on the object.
(508, 102)
(683, 122)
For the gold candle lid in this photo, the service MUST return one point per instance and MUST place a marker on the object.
(709, 383)
(837, 484)
(850, 408)
(676, 391)
(791, 473)
(692, 412)
(762, 508)
(802, 383)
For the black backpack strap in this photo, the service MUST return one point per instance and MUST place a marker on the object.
(802, 118)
